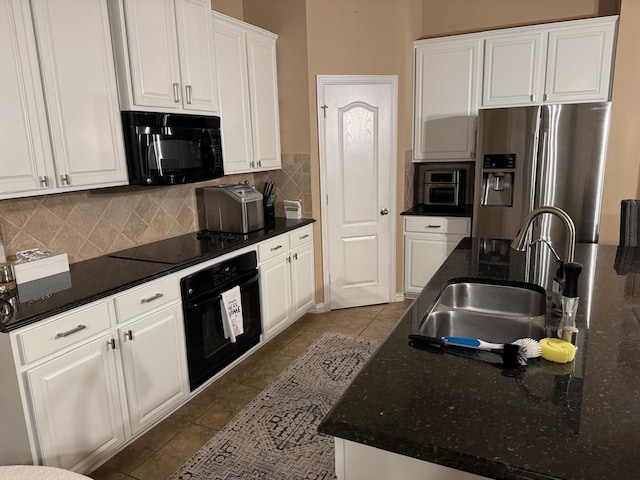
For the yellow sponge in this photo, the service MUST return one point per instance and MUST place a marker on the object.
(556, 350)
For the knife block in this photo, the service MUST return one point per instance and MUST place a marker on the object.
(269, 215)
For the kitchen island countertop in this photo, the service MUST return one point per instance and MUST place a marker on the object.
(103, 276)
(546, 421)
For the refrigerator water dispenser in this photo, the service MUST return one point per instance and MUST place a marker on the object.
(497, 180)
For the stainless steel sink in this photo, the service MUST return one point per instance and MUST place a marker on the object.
(499, 312)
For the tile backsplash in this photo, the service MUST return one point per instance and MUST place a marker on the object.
(92, 223)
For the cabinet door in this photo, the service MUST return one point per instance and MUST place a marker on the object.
(154, 362)
(446, 96)
(153, 53)
(579, 63)
(76, 406)
(195, 45)
(27, 158)
(233, 83)
(424, 255)
(275, 293)
(263, 95)
(514, 69)
(80, 91)
(302, 279)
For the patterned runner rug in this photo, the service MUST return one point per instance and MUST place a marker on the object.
(275, 437)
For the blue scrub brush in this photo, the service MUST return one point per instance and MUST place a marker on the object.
(519, 350)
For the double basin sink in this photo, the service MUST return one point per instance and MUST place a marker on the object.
(493, 311)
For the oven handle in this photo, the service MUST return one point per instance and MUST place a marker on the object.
(218, 297)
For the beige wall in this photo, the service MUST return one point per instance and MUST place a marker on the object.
(621, 174)
(362, 37)
(233, 8)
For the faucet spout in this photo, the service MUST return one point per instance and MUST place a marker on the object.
(520, 242)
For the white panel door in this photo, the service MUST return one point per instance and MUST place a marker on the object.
(446, 97)
(514, 69)
(154, 361)
(359, 152)
(302, 279)
(195, 37)
(235, 109)
(76, 405)
(153, 53)
(23, 124)
(80, 91)
(579, 64)
(263, 95)
(275, 293)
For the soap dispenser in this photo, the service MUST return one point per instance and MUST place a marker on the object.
(567, 329)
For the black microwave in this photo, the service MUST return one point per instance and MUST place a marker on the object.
(169, 149)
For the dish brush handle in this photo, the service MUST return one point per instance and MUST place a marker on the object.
(473, 343)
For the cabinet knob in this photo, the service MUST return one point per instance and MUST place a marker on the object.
(384, 211)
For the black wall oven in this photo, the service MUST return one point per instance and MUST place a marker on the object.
(208, 351)
(167, 148)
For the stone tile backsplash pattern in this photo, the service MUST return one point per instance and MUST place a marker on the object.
(293, 182)
(92, 223)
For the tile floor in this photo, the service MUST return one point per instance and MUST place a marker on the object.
(157, 454)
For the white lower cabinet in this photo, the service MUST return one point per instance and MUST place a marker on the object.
(153, 360)
(286, 279)
(428, 241)
(76, 405)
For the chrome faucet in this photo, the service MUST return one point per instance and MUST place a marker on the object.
(520, 242)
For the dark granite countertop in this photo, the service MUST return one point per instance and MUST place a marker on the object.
(439, 211)
(544, 421)
(103, 276)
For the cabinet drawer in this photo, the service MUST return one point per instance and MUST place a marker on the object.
(63, 331)
(147, 297)
(270, 248)
(301, 236)
(418, 224)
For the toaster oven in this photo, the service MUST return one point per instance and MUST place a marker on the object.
(236, 208)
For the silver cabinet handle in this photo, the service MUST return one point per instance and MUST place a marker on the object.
(545, 97)
(71, 332)
(295, 256)
(433, 226)
(128, 334)
(44, 181)
(277, 247)
(188, 94)
(384, 211)
(532, 98)
(65, 179)
(259, 163)
(252, 164)
(111, 343)
(176, 92)
(289, 259)
(151, 299)
(303, 237)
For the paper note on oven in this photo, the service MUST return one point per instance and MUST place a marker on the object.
(231, 306)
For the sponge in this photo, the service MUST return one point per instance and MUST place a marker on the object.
(556, 350)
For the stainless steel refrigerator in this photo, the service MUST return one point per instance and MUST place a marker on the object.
(540, 155)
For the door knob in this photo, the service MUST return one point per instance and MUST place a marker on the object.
(384, 211)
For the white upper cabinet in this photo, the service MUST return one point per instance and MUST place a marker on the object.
(446, 95)
(247, 78)
(553, 63)
(514, 69)
(164, 55)
(580, 62)
(60, 122)
(27, 157)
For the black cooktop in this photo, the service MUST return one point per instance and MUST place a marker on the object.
(180, 249)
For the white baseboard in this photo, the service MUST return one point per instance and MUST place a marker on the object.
(319, 308)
